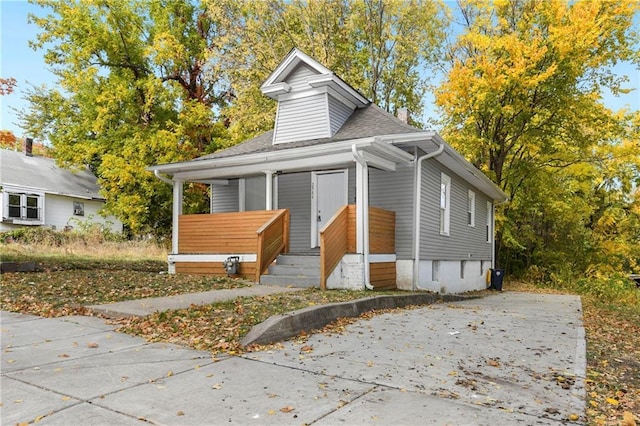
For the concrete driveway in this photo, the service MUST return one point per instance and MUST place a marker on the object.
(510, 358)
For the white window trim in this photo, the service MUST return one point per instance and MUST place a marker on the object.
(445, 210)
(471, 209)
(23, 219)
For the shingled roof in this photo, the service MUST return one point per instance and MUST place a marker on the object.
(365, 122)
(42, 174)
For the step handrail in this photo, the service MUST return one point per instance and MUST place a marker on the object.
(333, 244)
(273, 239)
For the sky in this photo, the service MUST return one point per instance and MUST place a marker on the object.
(27, 66)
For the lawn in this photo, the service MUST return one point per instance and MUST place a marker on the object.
(63, 288)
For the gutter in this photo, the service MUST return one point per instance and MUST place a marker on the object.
(365, 216)
(417, 215)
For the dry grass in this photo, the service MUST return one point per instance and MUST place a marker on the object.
(127, 250)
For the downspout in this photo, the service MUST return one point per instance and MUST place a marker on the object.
(365, 215)
(162, 178)
(417, 213)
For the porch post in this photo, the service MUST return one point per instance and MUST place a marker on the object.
(176, 212)
(360, 177)
(269, 190)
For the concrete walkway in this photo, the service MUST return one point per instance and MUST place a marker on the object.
(510, 358)
(144, 307)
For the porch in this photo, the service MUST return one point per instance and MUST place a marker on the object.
(205, 241)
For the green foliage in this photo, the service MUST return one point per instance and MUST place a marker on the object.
(138, 85)
(616, 289)
(382, 48)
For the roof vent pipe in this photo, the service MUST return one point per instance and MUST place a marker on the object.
(417, 213)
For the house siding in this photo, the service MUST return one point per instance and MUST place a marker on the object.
(224, 198)
(394, 191)
(302, 119)
(298, 79)
(294, 193)
(338, 114)
(463, 242)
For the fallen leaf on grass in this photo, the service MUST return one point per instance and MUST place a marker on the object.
(612, 401)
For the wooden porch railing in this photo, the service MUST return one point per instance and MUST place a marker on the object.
(333, 243)
(273, 239)
(338, 238)
(263, 232)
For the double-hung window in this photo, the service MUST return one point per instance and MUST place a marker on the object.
(489, 221)
(24, 207)
(471, 209)
(445, 204)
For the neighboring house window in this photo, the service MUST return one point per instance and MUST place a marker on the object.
(489, 221)
(445, 204)
(471, 209)
(78, 208)
(24, 206)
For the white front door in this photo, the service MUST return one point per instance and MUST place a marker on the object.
(328, 194)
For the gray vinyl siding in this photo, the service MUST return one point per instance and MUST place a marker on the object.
(463, 242)
(224, 198)
(302, 119)
(294, 193)
(299, 77)
(338, 114)
(394, 191)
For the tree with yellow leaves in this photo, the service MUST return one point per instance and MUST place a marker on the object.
(522, 99)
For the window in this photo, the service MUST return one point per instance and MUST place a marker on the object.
(471, 209)
(445, 204)
(489, 221)
(24, 206)
(78, 208)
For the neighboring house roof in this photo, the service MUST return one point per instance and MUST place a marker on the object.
(42, 174)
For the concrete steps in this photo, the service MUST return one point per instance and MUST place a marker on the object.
(294, 271)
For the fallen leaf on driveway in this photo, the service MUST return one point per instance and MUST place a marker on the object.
(493, 363)
(287, 409)
(92, 345)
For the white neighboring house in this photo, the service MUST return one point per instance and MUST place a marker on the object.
(34, 191)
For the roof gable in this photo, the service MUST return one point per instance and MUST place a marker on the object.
(313, 102)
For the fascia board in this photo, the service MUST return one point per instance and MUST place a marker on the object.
(464, 166)
(339, 86)
(42, 191)
(487, 184)
(289, 63)
(379, 162)
(275, 90)
(307, 163)
(248, 159)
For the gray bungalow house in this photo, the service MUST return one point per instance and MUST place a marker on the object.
(340, 194)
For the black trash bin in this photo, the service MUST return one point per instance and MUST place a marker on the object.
(496, 279)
